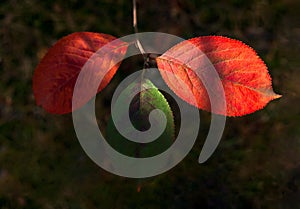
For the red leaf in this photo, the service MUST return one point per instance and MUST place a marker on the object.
(55, 76)
(245, 78)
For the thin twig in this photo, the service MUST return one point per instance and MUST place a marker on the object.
(137, 43)
(134, 17)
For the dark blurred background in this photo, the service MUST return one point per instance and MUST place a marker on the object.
(256, 165)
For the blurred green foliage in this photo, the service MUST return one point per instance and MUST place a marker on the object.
(42, 164)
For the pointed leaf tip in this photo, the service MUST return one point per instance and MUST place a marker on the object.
(244, 76)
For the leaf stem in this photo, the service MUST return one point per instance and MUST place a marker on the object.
(137, 42)
(135, 27)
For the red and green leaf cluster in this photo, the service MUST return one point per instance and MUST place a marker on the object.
(244, 76)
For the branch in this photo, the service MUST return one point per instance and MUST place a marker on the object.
(137, 43)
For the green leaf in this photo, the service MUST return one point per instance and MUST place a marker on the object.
(149, 98)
